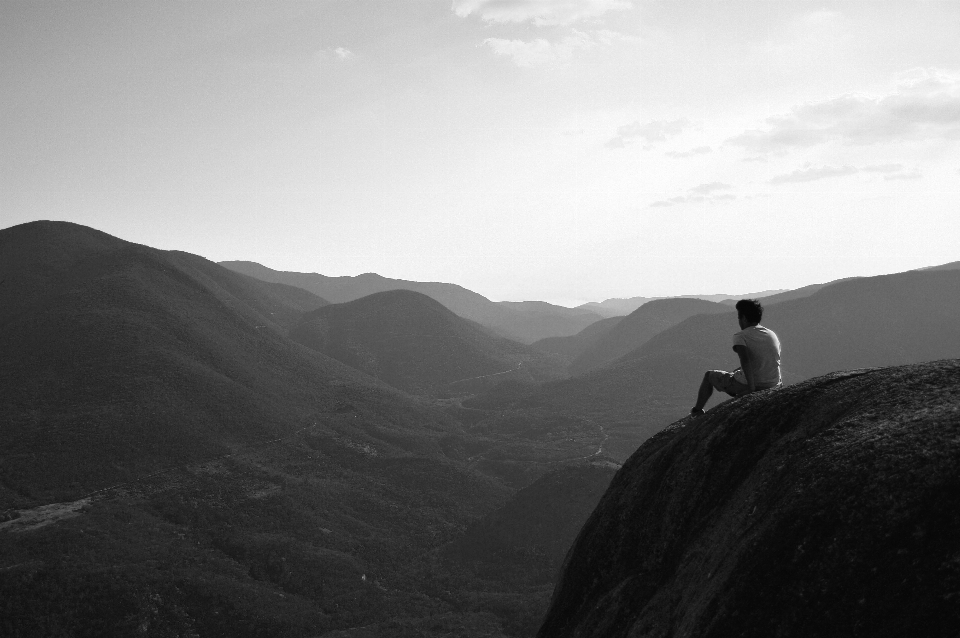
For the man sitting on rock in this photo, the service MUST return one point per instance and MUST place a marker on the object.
(759, 352)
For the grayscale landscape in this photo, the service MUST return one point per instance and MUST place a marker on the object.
(385, 319)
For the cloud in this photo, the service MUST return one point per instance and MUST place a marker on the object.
(700, 150)
(341, 54)
(540, 12)
(883, 168)
(910, 175)
(655, 131)
(541, 52)
(683, 199)
(889, 172)
(925, 105)
(813, 174)
(616, 142)
(607, 37)
(544, 53)
(705, 189)
(700, 194)
(892, 171)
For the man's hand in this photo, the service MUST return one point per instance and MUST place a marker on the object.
(744, 355)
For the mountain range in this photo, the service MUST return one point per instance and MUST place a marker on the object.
(174, 462)
(584, 350)
(869, 321)
(619, 307)
(572, 347)
(415, 344)
(120, 359)
(525, 322)
(609, 339)
(639, 327)
(164, 440)
(188, 450)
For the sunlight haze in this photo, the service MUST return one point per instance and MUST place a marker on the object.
(565, 150)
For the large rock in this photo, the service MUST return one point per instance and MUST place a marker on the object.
(828, 508)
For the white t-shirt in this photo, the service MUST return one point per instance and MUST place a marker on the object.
(764, 348)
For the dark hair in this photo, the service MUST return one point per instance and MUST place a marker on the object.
(751, 309)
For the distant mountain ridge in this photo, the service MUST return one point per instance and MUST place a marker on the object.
(415, 344)
(575, 345)
(953, 265)
(132, 358)
(639, 327)
(897, 319)
(171, 458)
(619, 306)
(172, 463)
(525, 322)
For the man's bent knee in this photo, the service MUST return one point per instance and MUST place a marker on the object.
(714, 378)
(725, 382)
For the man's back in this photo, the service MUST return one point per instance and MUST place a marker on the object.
(759, 351)
(764, 348)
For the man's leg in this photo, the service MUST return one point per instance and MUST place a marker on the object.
(717, 380)
(703, 394)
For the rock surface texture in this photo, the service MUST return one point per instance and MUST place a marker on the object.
(827, 508)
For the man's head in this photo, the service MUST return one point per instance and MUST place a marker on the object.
(749, 312)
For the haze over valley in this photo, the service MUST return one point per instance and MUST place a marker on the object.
(215, 441)
(390, 319)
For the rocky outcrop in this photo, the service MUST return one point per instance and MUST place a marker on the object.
(827, 508)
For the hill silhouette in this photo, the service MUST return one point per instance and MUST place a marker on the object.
(171, 462)
(575, 345)
(415, 344)
(121, 359)
(827, 508)
(806, 291)
(639, 326)
(796, 293)
(531, 321)
(619, 307)
(897, 319)
(616, 307)
(953, 265)
(511, 556)
(525, 322)
(534, 529)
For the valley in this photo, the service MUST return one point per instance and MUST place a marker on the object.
(190, 451)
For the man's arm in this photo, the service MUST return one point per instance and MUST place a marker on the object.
(744, 355)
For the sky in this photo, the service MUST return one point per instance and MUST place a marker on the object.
(557, 150)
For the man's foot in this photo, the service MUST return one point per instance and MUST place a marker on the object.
(696, 411)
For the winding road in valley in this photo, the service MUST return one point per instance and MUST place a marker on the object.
(484, 376)
(476, 458)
